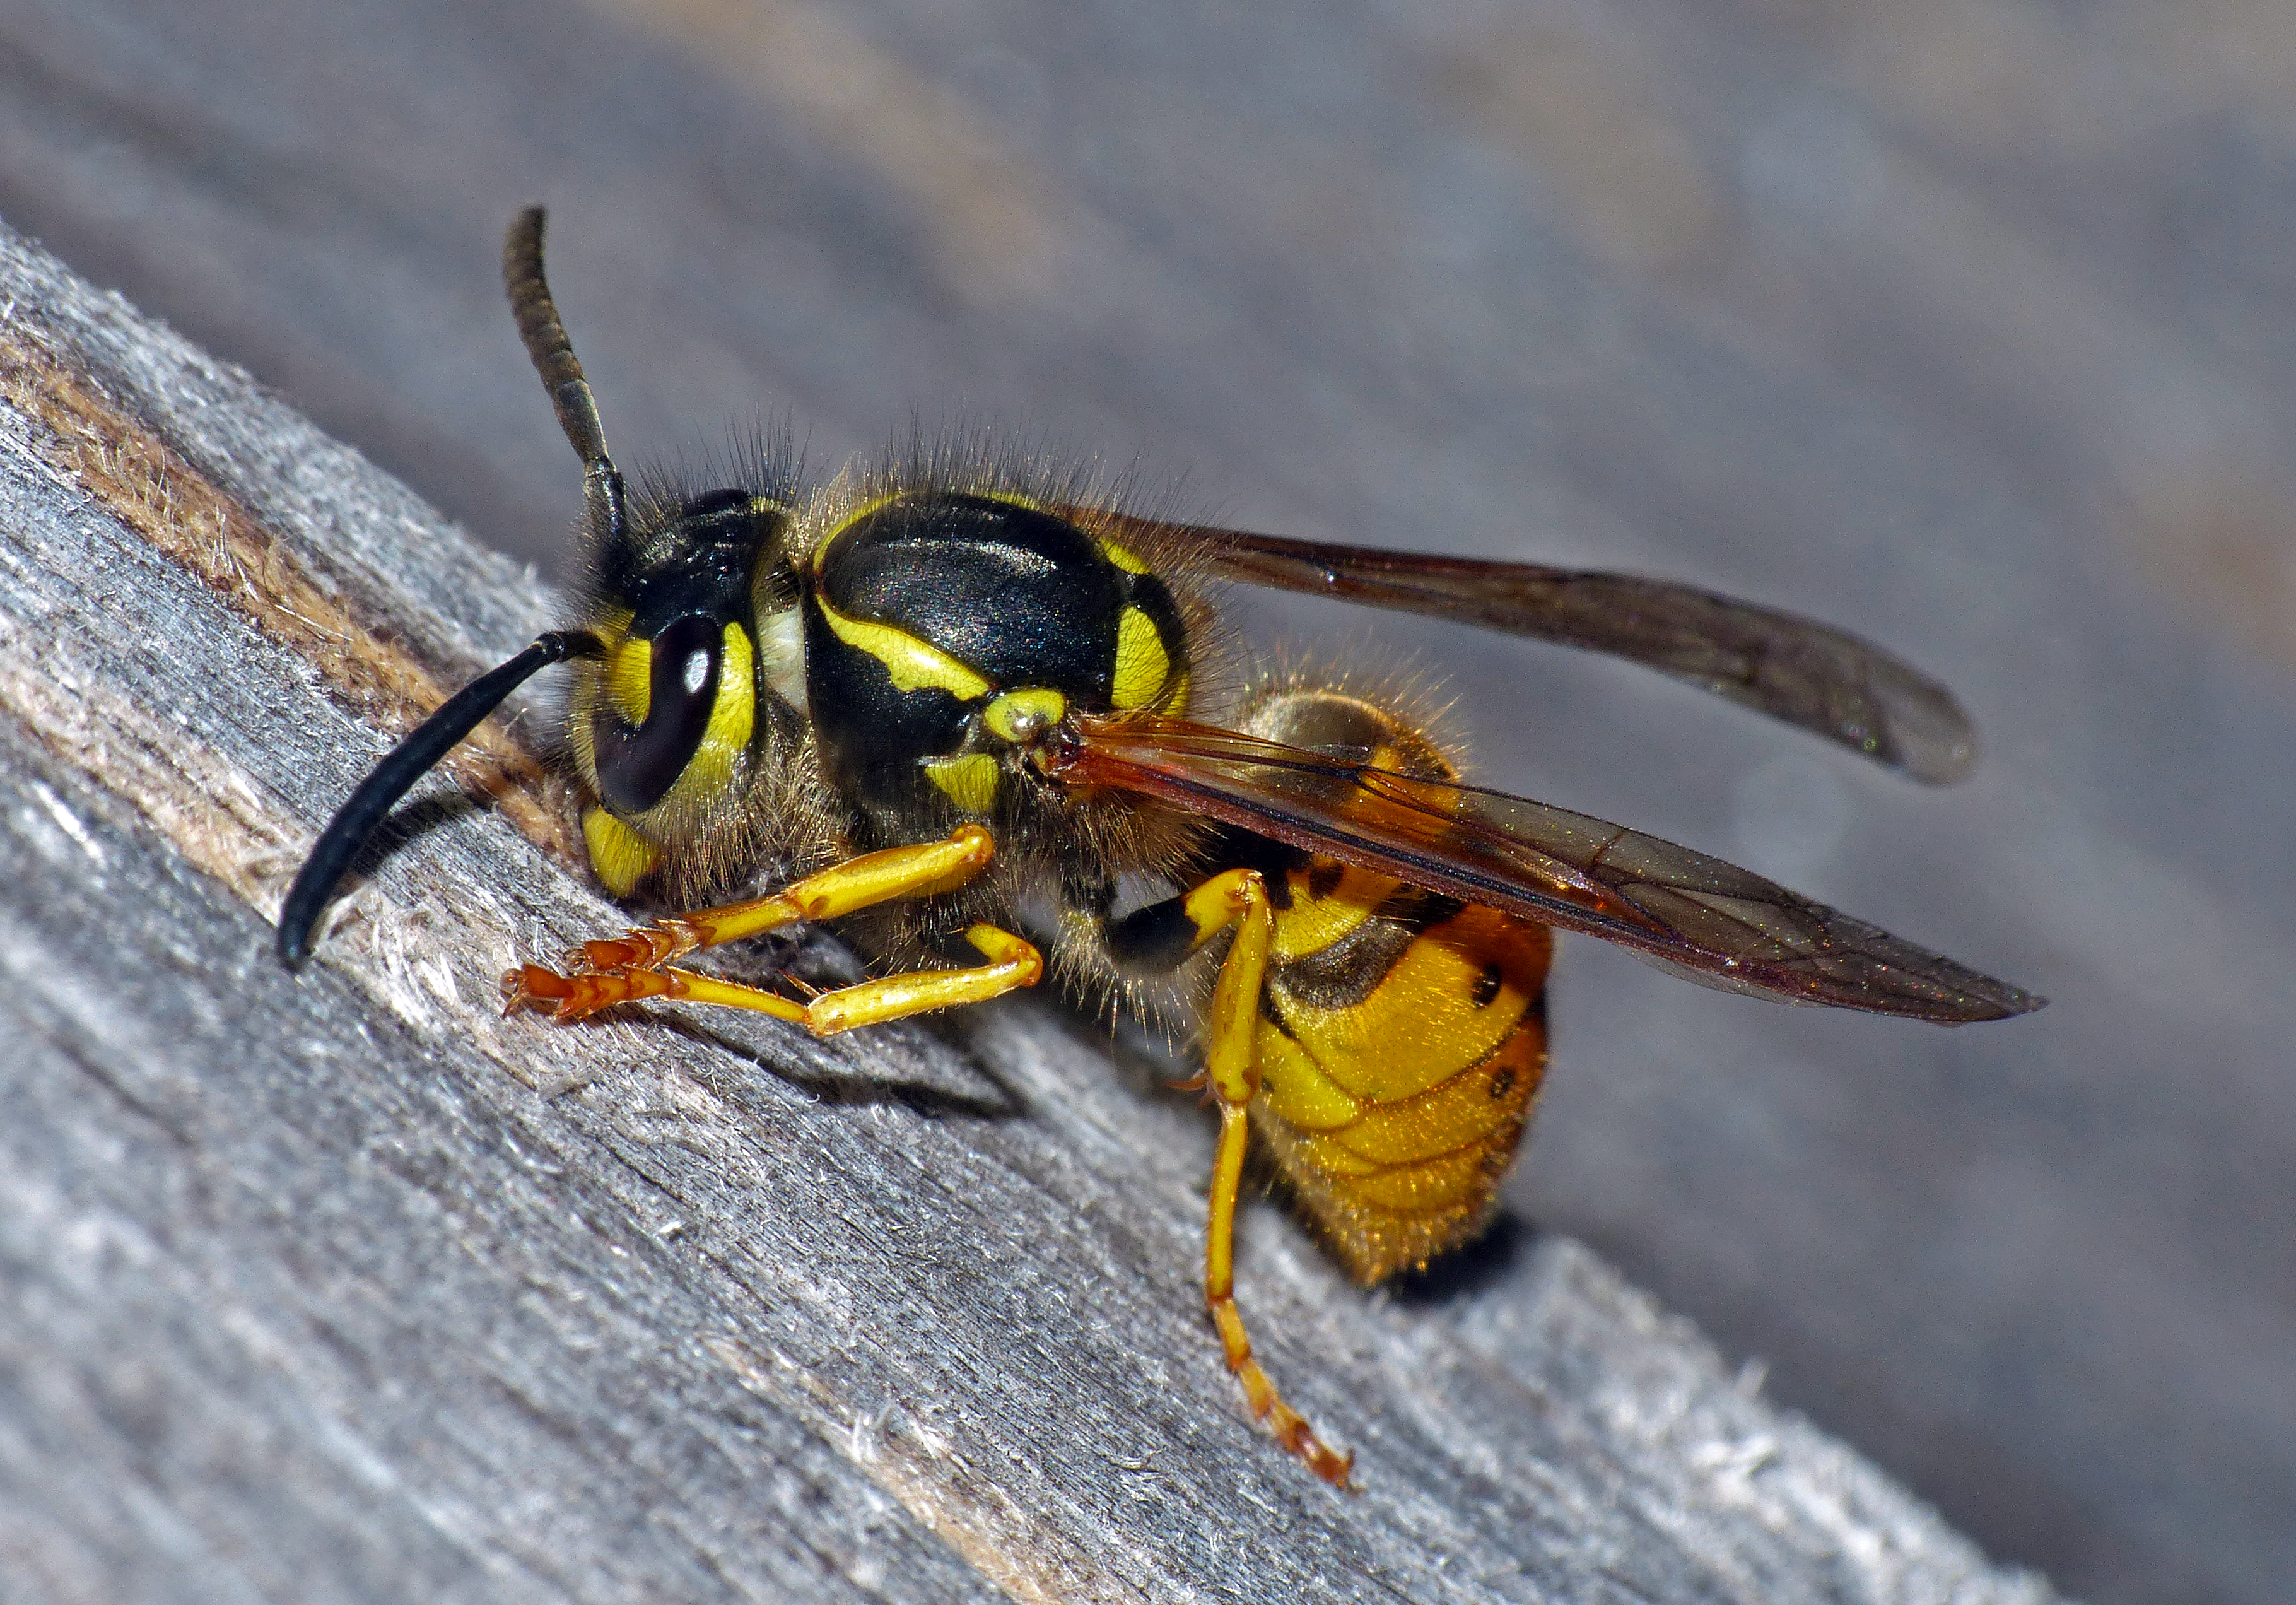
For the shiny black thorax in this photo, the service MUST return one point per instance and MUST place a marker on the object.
(1022, 598)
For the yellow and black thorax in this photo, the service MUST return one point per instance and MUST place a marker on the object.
(861, 667)
(946, 631)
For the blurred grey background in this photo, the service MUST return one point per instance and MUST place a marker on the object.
(1969, 324)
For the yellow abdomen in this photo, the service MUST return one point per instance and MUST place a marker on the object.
(1402, 1036)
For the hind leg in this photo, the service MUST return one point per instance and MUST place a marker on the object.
(1236, 898)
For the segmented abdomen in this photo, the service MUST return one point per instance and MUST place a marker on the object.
(1402, 1037)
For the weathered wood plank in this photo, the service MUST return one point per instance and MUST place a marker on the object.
(1962, 323)
(342, 1286)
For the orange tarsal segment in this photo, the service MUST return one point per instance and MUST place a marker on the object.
(579, 995)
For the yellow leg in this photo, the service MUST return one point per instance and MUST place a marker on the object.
(1239, 897)
(1013, 963)
(924, 870)
(627, 968)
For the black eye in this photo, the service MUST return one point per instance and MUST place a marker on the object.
(637, 766)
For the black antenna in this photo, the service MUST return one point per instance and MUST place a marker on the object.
(346, 835)
(562, 371)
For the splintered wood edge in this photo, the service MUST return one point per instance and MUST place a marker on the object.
(87, 439)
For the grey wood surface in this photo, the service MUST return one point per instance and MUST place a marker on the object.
(1965, 324)
(341, 1286)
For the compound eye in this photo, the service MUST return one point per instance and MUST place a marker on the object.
(637, 765)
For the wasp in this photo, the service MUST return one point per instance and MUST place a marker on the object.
(978, 712)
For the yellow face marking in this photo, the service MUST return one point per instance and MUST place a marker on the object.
(629, 678)
(619, 855)
(1123, 557)
(1018, 715)
(915, 665)
(970, 782)
(732, 716)
(1141, 663)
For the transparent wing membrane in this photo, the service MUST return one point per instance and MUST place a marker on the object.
(1825, 681)
(1689, 912)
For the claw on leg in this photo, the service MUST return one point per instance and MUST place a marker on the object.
(1290, 1426)
(645, 947)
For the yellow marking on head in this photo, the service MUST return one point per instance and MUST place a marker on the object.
(1176, 700)
(970, 782)
(914, 664)
(619, 855)
(1018, 715)
(629, 678)
(1141, 663)
(1123, 557)
(732, 716)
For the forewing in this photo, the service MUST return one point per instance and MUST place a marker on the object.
(1717, 923)
(1823, 679)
